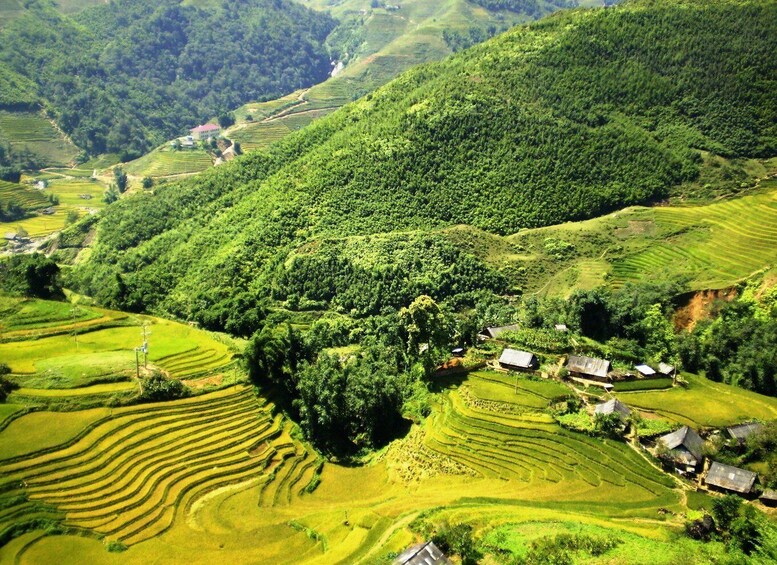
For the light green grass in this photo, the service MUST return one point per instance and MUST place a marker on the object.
(164, 162)
(107, 388)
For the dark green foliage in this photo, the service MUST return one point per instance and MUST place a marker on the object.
(738, 347)
(148, 182)
(120, 179)
(123, 76)
(564, 549)
(725, 510)
(157, 388)
(565, 119)
(457, 539)
(608, 425)
(6, 385)
(350, 405)
(30, 275)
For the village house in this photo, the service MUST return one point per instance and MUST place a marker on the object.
(494, 332)
(769, 497)
(741, 432)
(458, 351)
(422, 554)
(205, 131)
(515, 360)
(731, 479)
(684, 449)
(613, 406)
(666, 370)
(645, 371)
(589, 368)
(561, 328)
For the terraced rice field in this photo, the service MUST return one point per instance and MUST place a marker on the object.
(77, 194)
(704, 403)
(164, 162)
(36, 133)
(29, 198)
(260, 135)
(219, 479)
(715, 244)
(128, 475)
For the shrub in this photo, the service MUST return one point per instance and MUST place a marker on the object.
(157, 387)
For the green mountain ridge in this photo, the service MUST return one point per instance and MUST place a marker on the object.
(580, 114)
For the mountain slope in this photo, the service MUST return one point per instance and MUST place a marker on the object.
(124, 76)
(582, 113)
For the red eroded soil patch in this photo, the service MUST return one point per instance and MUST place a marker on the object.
(699, 305)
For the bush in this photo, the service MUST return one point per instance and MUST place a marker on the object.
(157, 388)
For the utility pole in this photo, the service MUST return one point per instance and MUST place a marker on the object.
(146, 333)
(137, 363)
(75, 328)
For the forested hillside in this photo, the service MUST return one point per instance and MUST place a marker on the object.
(124, 76)
(582, 113)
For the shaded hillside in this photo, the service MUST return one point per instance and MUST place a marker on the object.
(585, 112)
(124, 76)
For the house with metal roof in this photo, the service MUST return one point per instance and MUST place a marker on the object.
(561, 328)
(645, 371)
(741, 432)
(589, 368)
(613, 406)
(769, 497)
(494, 332)
(667, 370)
(728, 478)
(516, 360)
(685, 449)
(422, 554)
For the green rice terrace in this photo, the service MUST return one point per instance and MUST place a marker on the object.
(165, 162)
(60, 352)
(37, 134)
(222, 477)
(715, 245)
(69, 194)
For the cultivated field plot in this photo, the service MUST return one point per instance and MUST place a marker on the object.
(127, 475)
(259, 135)
(52, 345)
(36, 133)
(714, 245)
(29, 198)
(164, 162)
(704, 403)
(218, 479)
(78, 194)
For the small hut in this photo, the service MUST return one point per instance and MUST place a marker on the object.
(422, 554)
(613, 406)
(741, 432)
(645, 371)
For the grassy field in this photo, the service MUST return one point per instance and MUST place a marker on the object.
(49, 346)
(217, 478)
(34, 132)
(164, 162)
(704, 403)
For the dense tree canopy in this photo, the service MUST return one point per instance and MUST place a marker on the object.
(124, 76)
(582, 113)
